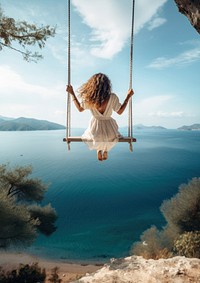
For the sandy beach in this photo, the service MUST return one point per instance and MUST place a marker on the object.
(67, 271)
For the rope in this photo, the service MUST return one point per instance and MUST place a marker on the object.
(130, 115)
(68, 122)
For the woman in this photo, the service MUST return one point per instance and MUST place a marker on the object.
(96, 95)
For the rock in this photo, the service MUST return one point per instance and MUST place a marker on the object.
(136, 269)
(191, 9)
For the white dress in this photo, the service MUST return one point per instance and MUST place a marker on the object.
(102, 132)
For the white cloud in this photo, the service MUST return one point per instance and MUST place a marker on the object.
(146, 11)
(21, 98)
(110, 22)
(162, 114)
(186, 57)
(156, 23)
(151, 104)
(59, 51)
(162, 110)
(109, 26)
(12, 82)
(80, 55)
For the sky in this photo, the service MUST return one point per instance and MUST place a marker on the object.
(166, 61)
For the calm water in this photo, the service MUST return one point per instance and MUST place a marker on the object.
(103, 207)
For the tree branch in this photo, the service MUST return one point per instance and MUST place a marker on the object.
(14, 192)
(27, 55)
(28, 35)
(10, 190)
(13, 48)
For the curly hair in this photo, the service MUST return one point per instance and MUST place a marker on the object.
(96, 90)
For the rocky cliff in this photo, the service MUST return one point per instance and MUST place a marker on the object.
(136, 269)
(191, 9)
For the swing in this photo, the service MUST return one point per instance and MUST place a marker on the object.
(130, 139)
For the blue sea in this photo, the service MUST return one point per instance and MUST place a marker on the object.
(103, 207)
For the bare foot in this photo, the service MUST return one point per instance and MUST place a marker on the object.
(105, 155)
(99, 155)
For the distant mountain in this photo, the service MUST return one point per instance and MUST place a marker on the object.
(27, 124)
(142, 127)
(5, 118)
(194, 127)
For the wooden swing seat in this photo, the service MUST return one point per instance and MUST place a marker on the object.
(128, 138)
(79, 139)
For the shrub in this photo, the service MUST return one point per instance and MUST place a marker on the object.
(24, 274)
(188, 244)
(151, 245)
(54, 278)
(183, 210)
(181, 235)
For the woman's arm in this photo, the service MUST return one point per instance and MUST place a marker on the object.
(123, 106)
(70, 90)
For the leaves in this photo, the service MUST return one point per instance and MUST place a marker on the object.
(16, 183)
(46, 215)
(181, 233)
(19, 220)
(23, 34)
(24, 273)
(16, 224)
(183, 209)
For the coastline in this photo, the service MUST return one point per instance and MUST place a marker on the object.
(68, 271)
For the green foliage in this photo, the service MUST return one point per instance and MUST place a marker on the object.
(183, 210)
(54, 278)
(188, 244)
(24, 274)
(47, 217)
(19, 219)
(16, 183)
(181, 233)
(152, 245)
(23, 34)
(28, 124)
(16, 225)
